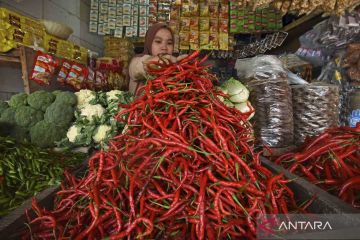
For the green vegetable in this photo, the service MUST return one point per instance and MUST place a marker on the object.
(44, 134)
(8, 115)
(17, 100)
(26, 116)
(26, 170)
(19, 133)
(3, 106)
(56, 92)
(7, 121)
(59, 114)
(236, 90)
(40, 100)
(68, 98)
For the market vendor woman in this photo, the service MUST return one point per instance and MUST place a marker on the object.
(159, 42)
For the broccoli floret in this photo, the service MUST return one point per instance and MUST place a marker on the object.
(8, 115)
(18, 100)
(59, 114)
(45, 134)
(68, 98)
(40, 100)
(19, 133)
(56, 92)
(26, 116)
(3, 106)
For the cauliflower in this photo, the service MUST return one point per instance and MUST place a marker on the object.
(73, 133)
(84, 97)
(101, 133)
(90, 111)
(114, 95)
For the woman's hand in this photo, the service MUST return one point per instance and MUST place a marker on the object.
(167, 58)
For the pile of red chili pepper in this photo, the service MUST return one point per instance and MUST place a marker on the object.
(332, 161)
(185, 168)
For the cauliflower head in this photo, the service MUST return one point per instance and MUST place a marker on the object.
(73, 133)
(113, 95)
(84, 96)
(101, 133)
(92, 111)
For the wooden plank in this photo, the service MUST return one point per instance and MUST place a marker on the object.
(24, 70)
(5, 58)
(301, 20)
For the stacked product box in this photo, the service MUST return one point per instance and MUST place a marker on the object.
(16, 29)
(201, 24)
(247, 20)
(119, 18)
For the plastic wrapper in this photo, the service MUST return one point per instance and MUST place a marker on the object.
(77, 75)
(270, 94)
(64, 70)
(316, 108)
(44, 68)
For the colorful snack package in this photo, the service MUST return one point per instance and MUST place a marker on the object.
(194, 23)
(204, 9)
(90, 80)
(100, 80)
(194, 7)
(214, 10)
(184, 40)
(223, 25)
(204, 24)
(204, 40)
(194, 36)
(185, 10)
(43, 69)
(223, 41)
(224, 10)
(213, 40)
(64, 71)
(185, 24)
(77, 75)
(214, 24)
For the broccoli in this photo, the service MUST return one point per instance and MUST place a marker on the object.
(19, 133)
(8, 115)
(56, 92)
(40, 100)
(59, 114)
(17, 100)
(45, 134)
(26, 116)
(68, 98)
(3, 106)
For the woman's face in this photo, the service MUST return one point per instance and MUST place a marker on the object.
(162, 43)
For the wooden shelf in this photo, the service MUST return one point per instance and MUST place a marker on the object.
(25, 57)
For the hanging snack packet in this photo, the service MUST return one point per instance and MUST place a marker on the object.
(76, 76)
(64, 71)
(43, 69)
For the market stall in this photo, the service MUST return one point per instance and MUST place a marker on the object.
(257, 118)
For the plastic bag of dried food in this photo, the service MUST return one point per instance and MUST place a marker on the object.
(44, 68)
(270, 94)
(260, 67)
(64, 71)
(77, 75)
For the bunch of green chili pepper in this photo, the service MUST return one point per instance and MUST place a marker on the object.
(26, 170)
